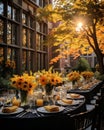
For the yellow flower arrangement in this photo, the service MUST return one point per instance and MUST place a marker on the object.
(73, 76)
(24, 82)
(49, 79)
(87, 74)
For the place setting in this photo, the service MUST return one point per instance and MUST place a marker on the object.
(67, 102)
(74, 96)
(50, 109)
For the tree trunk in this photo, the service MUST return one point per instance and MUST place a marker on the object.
(101, 64)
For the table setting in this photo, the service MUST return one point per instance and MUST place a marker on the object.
(35, 111)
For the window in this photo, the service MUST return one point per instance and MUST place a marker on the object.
(21, 37)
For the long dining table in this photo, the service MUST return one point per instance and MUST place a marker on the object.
(39, 118)
(88, 93)
(47, 120)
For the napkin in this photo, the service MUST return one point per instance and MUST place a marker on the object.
(9, 109)
(68, 101)
(74, 95)
(52, 108)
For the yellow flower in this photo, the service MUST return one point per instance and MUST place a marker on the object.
(73, 76)
(24, 82)
(87, 74)
(48, 77)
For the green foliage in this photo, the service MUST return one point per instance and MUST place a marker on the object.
(7, 69)
(4, 83)
(82, 65)
(99, 76)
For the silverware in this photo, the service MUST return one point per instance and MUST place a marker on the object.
(23, 113)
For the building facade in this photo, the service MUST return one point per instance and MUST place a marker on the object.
(22, 36)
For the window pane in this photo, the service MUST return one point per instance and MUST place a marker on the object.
(30, 61)
(24, 37)
(30, 39)
(14, 34)
(45, 28)
(31, 22)
(24, 60)
(1, 30)
(9, 33)
(1, 8)
(44, 46)
(24, 20)
(37, 27)
(11, 55)
(37, 2)
(14, 14)
(38, 61)
(9, 12)
(38, 41)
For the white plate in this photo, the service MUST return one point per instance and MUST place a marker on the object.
(80, 97)
(75, 102)
(12, 113)
(42, 110)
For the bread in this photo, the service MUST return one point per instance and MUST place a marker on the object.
(9, 109)
(68, 101)
(74, 95)
(51, 108)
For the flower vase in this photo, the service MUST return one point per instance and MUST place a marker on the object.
(48, 94)
(23, 96)
(74, 85)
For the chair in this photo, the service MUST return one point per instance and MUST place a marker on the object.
(85, 120)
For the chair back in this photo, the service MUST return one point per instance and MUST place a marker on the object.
(84, 120)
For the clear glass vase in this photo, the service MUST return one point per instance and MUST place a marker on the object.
(23, 96)
(48, 94)
(74, 85)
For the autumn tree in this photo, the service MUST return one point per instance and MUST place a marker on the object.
(88, 37)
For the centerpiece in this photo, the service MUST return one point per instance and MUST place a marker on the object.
(48, 80)
(25, 83)
(74, 77)
(87, 75)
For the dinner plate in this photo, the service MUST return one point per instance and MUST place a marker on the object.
(69, 96)
(12, 113)
(43, 110)
(75, 102)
